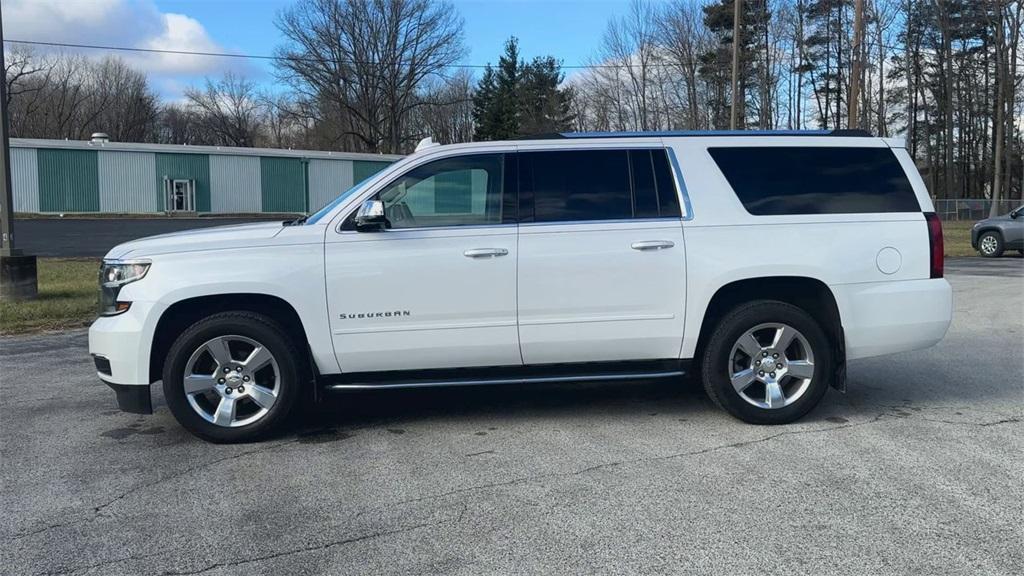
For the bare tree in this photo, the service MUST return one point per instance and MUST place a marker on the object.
(229, 109)
(364, 60)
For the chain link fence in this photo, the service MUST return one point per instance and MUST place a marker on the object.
(970, 209)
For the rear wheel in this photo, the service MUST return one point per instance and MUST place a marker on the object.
(767, 362)
(990, 245)
(232, 377)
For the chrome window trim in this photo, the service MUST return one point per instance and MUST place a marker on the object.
(593, 222)
(432, 228)
(680, 183)
(389, 175)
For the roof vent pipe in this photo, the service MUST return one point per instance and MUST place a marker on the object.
(99, 138)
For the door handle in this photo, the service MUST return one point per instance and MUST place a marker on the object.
(485, 252)
(653, 245)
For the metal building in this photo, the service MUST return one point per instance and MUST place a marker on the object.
(62, 176)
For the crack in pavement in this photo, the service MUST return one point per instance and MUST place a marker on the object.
(293, 551)
(535, 477)
(97, 510)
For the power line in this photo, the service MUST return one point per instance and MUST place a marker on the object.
(789, 57)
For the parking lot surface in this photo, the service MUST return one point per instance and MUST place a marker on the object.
(916, 470)
(94, 237)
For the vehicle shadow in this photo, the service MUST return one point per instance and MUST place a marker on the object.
(679, 397)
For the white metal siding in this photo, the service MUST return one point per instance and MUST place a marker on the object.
(127, 182)
(25, 179)
(327, 180)
(235, 184)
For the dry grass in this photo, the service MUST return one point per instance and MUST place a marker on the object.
(68, 297)
(956, 236)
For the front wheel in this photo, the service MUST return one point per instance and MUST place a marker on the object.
(767, 362)
(232, 377)
(990, 245)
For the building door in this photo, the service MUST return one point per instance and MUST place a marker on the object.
(181, 195)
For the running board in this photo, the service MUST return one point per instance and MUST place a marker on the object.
(373, 381)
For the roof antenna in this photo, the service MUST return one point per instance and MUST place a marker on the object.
(427, 142)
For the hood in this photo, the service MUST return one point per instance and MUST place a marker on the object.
(1000, 218)
(213, 238)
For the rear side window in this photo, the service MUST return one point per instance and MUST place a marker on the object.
(588, 185)
(816, 180)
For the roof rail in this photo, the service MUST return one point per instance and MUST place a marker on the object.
(702, 133)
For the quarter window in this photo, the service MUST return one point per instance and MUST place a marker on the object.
(459, 191)
(819, 180)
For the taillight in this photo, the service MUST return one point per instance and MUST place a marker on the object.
(935, 246)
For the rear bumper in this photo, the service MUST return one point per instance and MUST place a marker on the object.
(887, 317)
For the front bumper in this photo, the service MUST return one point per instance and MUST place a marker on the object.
(132, 398)
(120, 347)
(974, 237)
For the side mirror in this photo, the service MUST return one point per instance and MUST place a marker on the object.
(370, 217)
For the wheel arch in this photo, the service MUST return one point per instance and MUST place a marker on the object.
(183, 313)
(807, 293)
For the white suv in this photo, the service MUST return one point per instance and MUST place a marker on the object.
(761, 261)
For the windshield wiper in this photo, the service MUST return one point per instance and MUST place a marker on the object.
(297, 222)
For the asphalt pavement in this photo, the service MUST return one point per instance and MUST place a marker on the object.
(916, 470)
(94, 237)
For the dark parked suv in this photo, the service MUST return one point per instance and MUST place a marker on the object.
(992, 236)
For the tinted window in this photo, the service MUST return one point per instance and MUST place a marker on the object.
(668, 196)
(645, 192)
(577, 185)
(460, 191)
(819, 180)
(581, 185)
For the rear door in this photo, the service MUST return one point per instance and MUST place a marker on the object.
(601, 258)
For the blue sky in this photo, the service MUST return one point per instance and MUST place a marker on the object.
(567, 29)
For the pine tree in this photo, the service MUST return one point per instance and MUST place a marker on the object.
(517, 99)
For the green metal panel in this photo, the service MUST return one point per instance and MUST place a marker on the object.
(283, 184)
(361, 170)
(68, 180)
(456, 192)
(184, 167)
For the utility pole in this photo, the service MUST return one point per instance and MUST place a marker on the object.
(737, 16)
(17, 271)
(853, 118)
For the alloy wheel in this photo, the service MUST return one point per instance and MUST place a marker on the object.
(989, 245)
(771, 365)
(232, 381)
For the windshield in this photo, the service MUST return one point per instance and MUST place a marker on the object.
(314, 218)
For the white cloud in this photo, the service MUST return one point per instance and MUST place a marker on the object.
(134, 24)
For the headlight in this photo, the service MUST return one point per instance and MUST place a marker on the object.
(114, 274)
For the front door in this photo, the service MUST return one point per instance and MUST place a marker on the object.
(181, 195)
(602, 263)
(437, 289)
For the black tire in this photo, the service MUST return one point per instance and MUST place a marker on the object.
(716, 361)
(995, 237)
(258, 328)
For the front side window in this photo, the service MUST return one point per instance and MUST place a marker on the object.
(459, 191)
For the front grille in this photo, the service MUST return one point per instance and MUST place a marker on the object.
(102, 365)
